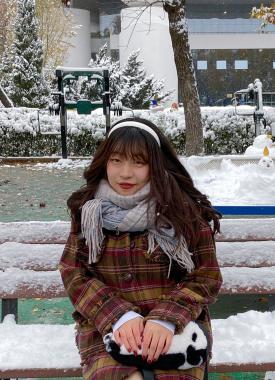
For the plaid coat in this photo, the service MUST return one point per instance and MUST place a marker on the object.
(128, 278)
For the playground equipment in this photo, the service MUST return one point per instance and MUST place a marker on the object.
(254, 95)
(66, 76)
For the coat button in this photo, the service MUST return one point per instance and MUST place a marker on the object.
(127, 277)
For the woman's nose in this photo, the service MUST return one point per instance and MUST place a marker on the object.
(126, 170)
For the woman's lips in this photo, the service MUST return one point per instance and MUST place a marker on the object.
(126, 185)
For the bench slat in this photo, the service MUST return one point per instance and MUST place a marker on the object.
(43, 257)
(246, 254)
(17, 283)
(57, 232)
(76, 372)
(247, 229)
(40, 372)
(251, 367)
(39, 257)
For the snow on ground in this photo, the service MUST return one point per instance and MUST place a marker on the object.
(62, 164)
(246, 333)
(220, 178)
(247, 184)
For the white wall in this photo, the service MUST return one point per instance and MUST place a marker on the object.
(155, 46)
(232, 41)
(80, 54)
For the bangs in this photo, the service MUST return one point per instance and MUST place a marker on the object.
(129, 143)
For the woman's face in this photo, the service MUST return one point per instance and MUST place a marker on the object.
(127, 175)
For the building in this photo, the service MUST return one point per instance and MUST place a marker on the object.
(229, 48)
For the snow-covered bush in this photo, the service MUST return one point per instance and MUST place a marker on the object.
(21, 131)
(227, 133)
(21, 72)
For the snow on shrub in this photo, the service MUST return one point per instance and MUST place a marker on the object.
(20, 130)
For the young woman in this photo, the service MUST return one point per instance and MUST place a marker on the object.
(140, 259)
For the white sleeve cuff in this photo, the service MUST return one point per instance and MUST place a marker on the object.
(169, 325)
(125, 318)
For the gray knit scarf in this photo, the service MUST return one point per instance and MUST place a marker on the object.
(113, 211)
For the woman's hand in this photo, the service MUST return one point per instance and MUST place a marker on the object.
(156, 341)
(130, 334)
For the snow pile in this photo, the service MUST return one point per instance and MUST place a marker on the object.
(53, 346)
(247, 184)
(62, 164)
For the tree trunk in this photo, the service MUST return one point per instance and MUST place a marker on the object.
(5, 99)
(186, 75)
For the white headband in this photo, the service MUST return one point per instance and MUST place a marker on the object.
(136, 124)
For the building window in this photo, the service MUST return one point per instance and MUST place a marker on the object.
(221, 65)
(273, 64)
(241, 64)
(202, 65)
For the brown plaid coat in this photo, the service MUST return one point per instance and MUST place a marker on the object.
(127, 278)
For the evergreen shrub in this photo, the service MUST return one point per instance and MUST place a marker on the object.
(224, 132)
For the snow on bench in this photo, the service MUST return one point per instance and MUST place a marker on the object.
(30, 256)
(57, 231)
(52, 347)
(32, 232)
(248, 253)
(18, 283)
(247, 229)
(47, 256)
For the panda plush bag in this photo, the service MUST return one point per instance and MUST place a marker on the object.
(187, 350)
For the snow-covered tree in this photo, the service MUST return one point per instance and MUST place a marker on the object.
(6, 68)
(136, 87)
(92, 90)
(266, 14)
(129, 84)
(27, 87)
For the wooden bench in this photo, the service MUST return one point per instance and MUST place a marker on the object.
(28, 269)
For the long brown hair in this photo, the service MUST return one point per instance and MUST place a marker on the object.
(179, 203)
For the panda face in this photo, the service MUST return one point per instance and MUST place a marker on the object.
(188, 349)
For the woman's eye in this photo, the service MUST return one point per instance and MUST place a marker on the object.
(115, 160)
(139, 163)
